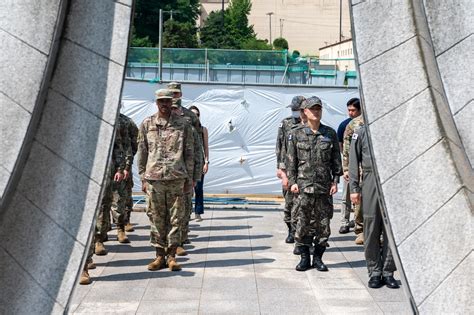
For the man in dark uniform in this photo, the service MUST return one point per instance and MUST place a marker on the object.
(284, 129)
(314, 166)
(380, 262)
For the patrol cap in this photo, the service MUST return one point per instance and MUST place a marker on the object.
(296, 103)
(163, 94)
(311, 102)
(174, 87)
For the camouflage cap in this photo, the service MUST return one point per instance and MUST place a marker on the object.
(296, 103)
(311, 102)
(174, 87)
(163, 94)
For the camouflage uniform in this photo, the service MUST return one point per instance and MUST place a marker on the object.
(117, 164)
(165, 162)
(353, 126)
(132, 136)
(313, 162)
(379, 263)
(194, 122)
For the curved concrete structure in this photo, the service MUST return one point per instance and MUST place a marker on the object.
(60, 84)
(414, 59)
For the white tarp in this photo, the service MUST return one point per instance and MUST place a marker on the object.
(242, 123)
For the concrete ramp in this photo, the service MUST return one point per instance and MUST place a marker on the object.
(60, 84)
(414, 59)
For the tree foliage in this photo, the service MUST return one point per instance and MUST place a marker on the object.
(146, 19)
(179, 35)
(280, 43)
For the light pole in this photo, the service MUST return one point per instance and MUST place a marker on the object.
(281, 27)
(270, 26)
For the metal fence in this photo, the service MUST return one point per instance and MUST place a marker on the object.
(239, 66)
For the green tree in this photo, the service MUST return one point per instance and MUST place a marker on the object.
(280, 43)
(146, 19)
(179, 35)
(238, 17)
(212, 34)
(256, 44)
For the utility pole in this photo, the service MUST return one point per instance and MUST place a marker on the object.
(281, 27)
(340, 20)
(222, 12)
(270, 26)
(160, 47)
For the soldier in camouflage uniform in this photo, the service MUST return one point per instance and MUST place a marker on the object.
(284, 129)
(193, 121)
(313, 166)
(380, 263)
(132, 136)
(165, 164)
(353, 126)
(117, 170)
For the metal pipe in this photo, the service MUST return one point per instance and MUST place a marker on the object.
(160, 47)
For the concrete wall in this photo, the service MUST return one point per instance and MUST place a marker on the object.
(416, 80)
(60, 84)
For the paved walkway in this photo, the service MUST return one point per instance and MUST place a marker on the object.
(238, 263)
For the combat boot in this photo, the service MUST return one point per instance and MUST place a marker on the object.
(317, 258)
(297, 250)
(129, 227)
(305, 262)
(159, 262)
(100, 249)
(121, 236)
(91, 265)
(171, 261)
(85, 278)
(290, 239)
(180, 251)
(360, 239)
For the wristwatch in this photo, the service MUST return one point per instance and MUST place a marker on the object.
(206, 162)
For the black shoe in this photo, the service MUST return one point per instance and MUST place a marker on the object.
(390, 282)
(344, 230)
(297, 251)
(318, 258)
(290, 239)
(375, 282)
(305, 262)
(352, 224)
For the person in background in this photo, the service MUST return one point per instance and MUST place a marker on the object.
(198, 189)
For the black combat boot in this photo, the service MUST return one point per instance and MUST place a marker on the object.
(317, 258)
(290, 239)
(305, 262)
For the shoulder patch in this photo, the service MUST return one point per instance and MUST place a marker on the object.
(355, 136)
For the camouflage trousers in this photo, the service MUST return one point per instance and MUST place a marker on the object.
(313, 219)
(165, 209)
(128, 198)
(188, 207)
(289, 202)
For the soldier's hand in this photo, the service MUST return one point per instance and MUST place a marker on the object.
(333, 189)
(118, 177)
(205, 168)
(295, 189)
(355, 198)
(346, 176)
(279, 173)
(144, 186)
(126, 174)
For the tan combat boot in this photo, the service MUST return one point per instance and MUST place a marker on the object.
(159, 262)
(360, 239)
(100, 249)
(85, 278)
(121, 236)
(129, 228)
(180, 251)
(91, 265)
(171, 261)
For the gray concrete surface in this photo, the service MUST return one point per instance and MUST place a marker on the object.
(238, 263)
(416, 85)
(61, 95)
